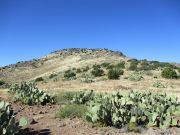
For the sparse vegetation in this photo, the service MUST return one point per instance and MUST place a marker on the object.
(136, 76)
(131, 111)
(133, 66)
(87, 78)
(144, 65)
(65, 97)
(52, 76)
(169, 73)
(71, 111)
(158, 84)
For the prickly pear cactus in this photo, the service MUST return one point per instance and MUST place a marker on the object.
(83, 96)
(8, 124)
(134, 108)
(28, 93)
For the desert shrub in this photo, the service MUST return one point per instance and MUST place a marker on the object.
(120, 65)
(2, 82)
(157, 64)
(52, 76)
(169, 73)
(111, 66)
(105, 64)
(144, 65)
(65, 97)
(115, 73)
(133, 66)
(8, 124)
(96, 66)
(69, 74)
(87, 78)
(73, 68)
(97, 72)
(149, 73)
(71, 111)
(78, 70)
(39, 79)
(85, 69)
(136, 76)
(158, 84)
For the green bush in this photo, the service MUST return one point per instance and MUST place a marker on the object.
(78, 70)
(115, 73)
(120, 65)
(96, 66)
(39, 79)
(71, 111)
(169, 73)
(2, 82)
(144, 65)
(69, 74)
(97, 72)
(111, 66)
(52, 76)
(85, 69)
(105, 64)
(133, 66)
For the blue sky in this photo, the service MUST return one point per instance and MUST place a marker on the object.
(143, 29)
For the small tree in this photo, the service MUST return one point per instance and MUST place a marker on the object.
(169, 73)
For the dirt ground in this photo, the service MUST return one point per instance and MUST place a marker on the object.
(42, 121)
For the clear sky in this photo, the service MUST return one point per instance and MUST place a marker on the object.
(143, 29)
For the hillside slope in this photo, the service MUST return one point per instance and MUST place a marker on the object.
(53, 67)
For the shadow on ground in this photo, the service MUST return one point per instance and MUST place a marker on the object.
(35, 132)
